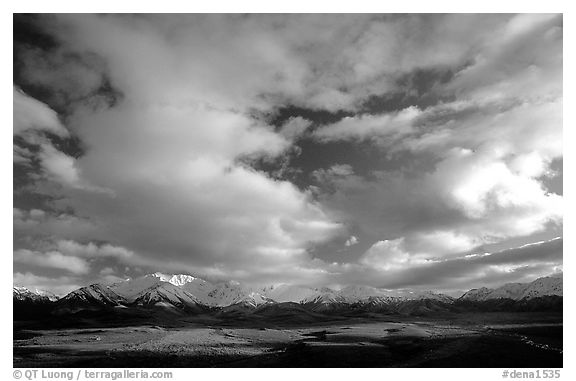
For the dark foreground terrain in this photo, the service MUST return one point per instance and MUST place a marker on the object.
(481, 339)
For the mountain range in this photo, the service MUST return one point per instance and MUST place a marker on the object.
(24, 294)
(188, 294)
(517, 291)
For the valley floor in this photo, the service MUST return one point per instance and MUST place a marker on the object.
(478, 340)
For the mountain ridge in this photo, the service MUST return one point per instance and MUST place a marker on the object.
(185, 292)
(543, 286)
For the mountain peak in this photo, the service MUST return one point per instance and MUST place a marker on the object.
(187, 292)
(176, 279)
(517, 291)
(23, 293)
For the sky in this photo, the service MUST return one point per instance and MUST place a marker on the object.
(397, 151)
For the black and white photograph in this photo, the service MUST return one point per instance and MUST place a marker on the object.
(288, 190)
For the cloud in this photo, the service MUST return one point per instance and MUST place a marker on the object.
(470, 199)
(524, 60)
(335, 172)
(170, 156)
(58, 285)
(31, 114)
(319, 61)
(353, 240)
(31, 119)
(91, 250)
(386, 255)
(388, 126)
(52, 259)
(64, 170)
(166, 172)
(70, 77)
(60, 165)
(487, 152)
(520, 264)
(39, 224)
(295, 127)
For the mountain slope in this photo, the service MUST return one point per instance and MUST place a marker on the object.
(253, 300)
(95, 296)
(185, 293)
(167, 295)
(545, 286)
(25, 294)
(287, 293)
(226, 293)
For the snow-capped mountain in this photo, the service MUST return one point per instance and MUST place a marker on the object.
(349, 294)
(89, 297)
(254, 300)
(201, 289)
(186, 292)
(176, 279)
(431, 295)
(544, 286)
(164, 290)
(166, 295)
(131, 289)
(324, 296)
(226, 293)
(476, 294)
(374, 303)
(36, 295)
(288, 293)
(157, 290)
(358, 293)
(325, 300)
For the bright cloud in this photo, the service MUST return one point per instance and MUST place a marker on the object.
(52, 259)
(386, 126)
(92, 250)
(58, 285)
(31, 114)
(353, 240)
(158, 161)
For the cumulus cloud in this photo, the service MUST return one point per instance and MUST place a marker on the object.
(63, 170)
(166, 176)
(294, 127)
(52, 259)
(353, 240)
(60, 165)
(489, 150)
(31, 114)
(169, 154)
(391, 125)
(386, 255)
(92, 250)
(319, 61)
(466, 202)
(39, 224)
(335, 172)
(58, 285)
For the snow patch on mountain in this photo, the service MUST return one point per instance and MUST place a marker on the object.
(166, 293)
(93, 295)
(287, 293)
(186, 291)
(177, 279)
(25, 294)
(253, 300)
